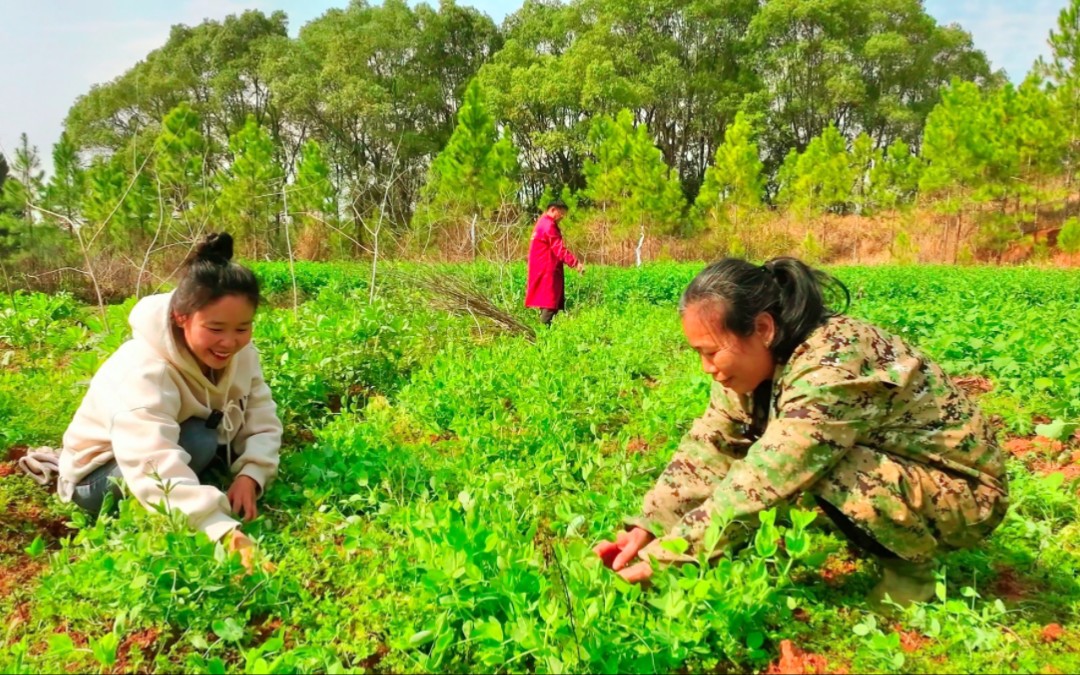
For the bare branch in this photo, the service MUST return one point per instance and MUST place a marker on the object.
(86, 259)
(108, 219)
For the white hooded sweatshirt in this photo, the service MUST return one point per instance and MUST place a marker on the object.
(136, 403)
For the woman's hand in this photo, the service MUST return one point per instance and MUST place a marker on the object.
(616, 554)
(637, 574)
(242, 544)
(242, 496)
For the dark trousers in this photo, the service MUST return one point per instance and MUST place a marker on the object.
(853, 532)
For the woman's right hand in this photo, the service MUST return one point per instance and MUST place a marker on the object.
(616, 554)
(242, 544)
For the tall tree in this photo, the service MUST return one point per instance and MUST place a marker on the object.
(734, 184)
(313, 201)
(181, 171)
(476, 172)
(677, 65)
(65, 190)
(862, 160)
(29, 178)
(862, 66)
(952, 145)
(215, 66)
(1063, 71)
(250, 201)
(894, 180)
(312, 194)
(378, 87)
(821, 178)
(121, 203)
(629, 182)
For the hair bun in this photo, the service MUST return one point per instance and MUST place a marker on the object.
(216, 248)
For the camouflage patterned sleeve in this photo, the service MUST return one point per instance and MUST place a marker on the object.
(705, 453)
(818, 417)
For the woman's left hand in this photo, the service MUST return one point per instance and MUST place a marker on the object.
(242, 496)
(637, 574)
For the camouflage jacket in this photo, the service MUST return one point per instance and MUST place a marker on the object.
(849, 384)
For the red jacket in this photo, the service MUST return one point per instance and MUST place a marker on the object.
(547, 253)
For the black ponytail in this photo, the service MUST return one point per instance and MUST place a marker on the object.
(209, 274)
(798, 297)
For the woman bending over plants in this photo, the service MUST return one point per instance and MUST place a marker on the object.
(185, 390)
(807, 400)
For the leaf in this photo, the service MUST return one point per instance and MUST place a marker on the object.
(36, 547)
(1058, 430)
(1054, 480)
(797, 545)
(678, 545)
(574, 526)
(765, 542)
(489, 630)
(60, 644)
(755, 640)
(104, 648)
(421, 638)
(802, 519)
(228, 630)
(767, 518)
(1043, 383)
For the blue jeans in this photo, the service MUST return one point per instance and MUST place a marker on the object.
(196, 440)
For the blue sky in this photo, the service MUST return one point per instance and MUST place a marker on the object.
(54, 50)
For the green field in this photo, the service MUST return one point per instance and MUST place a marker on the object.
(443, 481)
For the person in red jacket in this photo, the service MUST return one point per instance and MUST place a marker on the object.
(547, 255)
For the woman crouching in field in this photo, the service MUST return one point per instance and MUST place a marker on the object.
(186, 389)
(806, 400)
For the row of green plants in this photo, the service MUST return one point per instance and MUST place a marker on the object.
(442, 484)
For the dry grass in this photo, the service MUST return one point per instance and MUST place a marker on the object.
(460, 296)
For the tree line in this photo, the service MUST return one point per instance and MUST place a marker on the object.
(436, 128)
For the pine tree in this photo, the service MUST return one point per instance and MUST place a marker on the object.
(250, 201)
(180, 169)
(862, 160)
(1069, 237)
(65, 191)
(1063, 71)
(895, 179)
(821, 178)
(628, 179)
(734, 184)
(476, 173)
(28, 187)
(313, 192)
(130, 210)
(313, 199)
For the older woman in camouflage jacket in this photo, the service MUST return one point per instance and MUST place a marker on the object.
(807, 401)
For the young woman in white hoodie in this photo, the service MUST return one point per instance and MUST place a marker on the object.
(185, 389)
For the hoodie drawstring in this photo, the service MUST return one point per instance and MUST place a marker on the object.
(226, 423)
